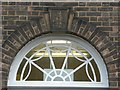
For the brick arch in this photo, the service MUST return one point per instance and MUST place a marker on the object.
(50, 23)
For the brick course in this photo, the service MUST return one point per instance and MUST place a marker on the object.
(97, 22)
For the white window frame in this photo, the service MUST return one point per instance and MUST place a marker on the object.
(35, 42)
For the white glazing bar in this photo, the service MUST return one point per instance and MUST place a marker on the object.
(65, 61)
(80, 53)
(88, 73)
(93, 71)
(80, 66)
(23, 70)
(51, 59)
(89, 63)
(37, 52)
(28, 71)
(39, 57)
(49, 75)
(77, 57)
(59, 46)
(39, 68)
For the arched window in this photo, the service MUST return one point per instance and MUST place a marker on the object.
(58, 61)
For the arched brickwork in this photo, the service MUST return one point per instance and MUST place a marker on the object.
(52, 23)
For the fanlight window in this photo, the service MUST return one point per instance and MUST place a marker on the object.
(58, 61)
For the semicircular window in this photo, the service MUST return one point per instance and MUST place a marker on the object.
(60, 60)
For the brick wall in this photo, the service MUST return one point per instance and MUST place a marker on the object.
(103, 15)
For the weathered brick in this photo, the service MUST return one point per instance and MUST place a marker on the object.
(106, 4)
(94, 4)
(115, 75)
(94, 32)
(4, 12)
(105, 14)
(22, 13)
(7, 52)
(113, 14)
(105, 23)
(24, 18)
(19, 23)
(111, 53)
(11, 24)
(115, 57)
(94, 39)
(114, 23)
(35, 13)
(11, 17)
(110, 61)
(12, 3)
(82, 14)
(96, 23)
(31, 29)
(14, 37)
(106, 28)
(86, 29)
(5, 3)
(31, 17)
(4, 76)
(4, 22)
(114, 34)
(71, 4)
(107, 44)
(23, 33)
(92, 9)
(105, 9)
(27, 30)
(74, 25)
(81, 8)
(114, 3)
(5, 67)
(113, 79)
(93, 18)
(36, 3)
(105, 19)
(100, 42)
(23, 8)
(82, 3)
(111, 48)
(36, 28)
(113, 83)
(84, 18)
(10, 27)
(4, 84)
(6, 59)
(11, 12)
(23, 3)
(93, 13)
(117, 19)
(82, 27)
(47, 4)
(39, 8)
(11, 8)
